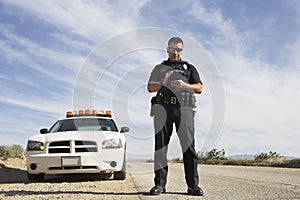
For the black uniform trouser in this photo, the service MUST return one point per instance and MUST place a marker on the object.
(164, 118)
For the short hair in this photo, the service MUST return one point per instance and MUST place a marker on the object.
(175, 40)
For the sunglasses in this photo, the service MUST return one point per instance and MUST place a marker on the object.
(172, 49)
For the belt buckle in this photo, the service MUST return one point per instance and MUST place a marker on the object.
(173, 100)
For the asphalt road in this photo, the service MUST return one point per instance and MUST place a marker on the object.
(222, 182)
(218, 182)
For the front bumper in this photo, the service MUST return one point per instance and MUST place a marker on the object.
(75, 163)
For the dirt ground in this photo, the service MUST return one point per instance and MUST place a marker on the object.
(15, 185)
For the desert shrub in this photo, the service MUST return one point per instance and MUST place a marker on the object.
(212, 157)
(240, 162)
(14, 151)
(177, 160)
(294, 163)
(264, 159)
(267, 156)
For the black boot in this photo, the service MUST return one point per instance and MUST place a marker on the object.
(195, 191)
(157, 190)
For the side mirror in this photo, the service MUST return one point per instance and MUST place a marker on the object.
(124, 130)
(44, 131)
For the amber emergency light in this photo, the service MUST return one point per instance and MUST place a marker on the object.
(69, 114)
(80, 112)
(87, 112)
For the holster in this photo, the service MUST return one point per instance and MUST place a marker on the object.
(153, 103)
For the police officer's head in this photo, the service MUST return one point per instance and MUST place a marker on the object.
(175, 49)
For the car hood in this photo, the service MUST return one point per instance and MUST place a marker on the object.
(78, 135)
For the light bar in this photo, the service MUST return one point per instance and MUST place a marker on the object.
(80, 112)
(87, 112)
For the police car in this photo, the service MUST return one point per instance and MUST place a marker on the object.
(83, 142)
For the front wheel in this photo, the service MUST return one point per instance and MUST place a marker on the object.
(35, 177)
(121, 175)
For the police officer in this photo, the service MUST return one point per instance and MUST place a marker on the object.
(176, 83)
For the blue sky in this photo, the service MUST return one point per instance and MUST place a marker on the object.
(59, 55)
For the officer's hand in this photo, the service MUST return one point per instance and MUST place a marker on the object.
(167, 76)
(178, 84)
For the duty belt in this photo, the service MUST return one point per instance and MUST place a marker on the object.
(170, 100)
(184, 99)
(173, 100)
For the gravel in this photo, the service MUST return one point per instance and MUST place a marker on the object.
(14, 185)
(218, 182)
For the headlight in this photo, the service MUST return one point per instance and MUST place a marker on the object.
(35, 146)
(112, 144)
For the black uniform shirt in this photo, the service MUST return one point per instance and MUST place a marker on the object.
(183, 71)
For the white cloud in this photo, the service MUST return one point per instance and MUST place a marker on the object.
(94, 20)
(72, 42)
(262, 99)
(261, 102)
(22, 51)
(225, 31)
(293, 55)
(24, 116)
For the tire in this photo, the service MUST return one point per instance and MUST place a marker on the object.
(121, 175)
(35, 177)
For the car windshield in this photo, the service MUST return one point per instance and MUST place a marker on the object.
(84, 124)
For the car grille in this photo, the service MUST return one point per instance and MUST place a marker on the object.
(73, 167)
(78, 146)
